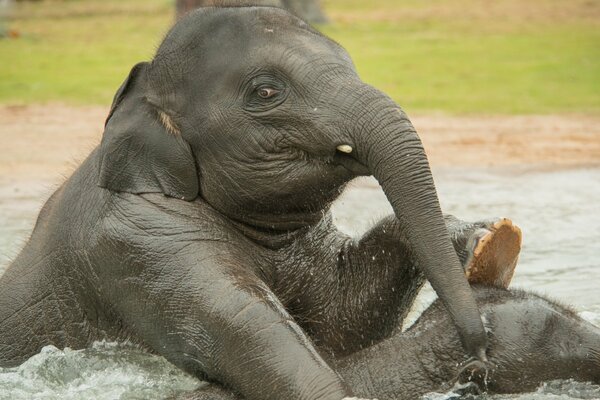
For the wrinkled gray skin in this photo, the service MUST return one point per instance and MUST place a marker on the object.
(200, 227)
(532, 340)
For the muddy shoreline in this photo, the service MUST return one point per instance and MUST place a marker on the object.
(47, 142)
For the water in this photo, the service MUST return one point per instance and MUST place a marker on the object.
(558, 211)
(553, 390)
(104, 371)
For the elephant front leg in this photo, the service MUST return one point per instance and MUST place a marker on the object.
(380, 275)
(379, 279)
(221, 323)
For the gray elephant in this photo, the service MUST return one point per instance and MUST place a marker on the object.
(551, 342)
(200, 227)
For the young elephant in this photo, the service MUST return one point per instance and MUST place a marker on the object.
(200, 228)
(532, 340)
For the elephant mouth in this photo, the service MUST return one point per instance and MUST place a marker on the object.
(349, 162)
(338, 158)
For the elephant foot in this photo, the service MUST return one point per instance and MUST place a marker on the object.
(495, 253)
(355, 398)
(473, 378)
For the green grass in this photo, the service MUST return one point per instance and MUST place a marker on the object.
(457, 57)
(78, 52)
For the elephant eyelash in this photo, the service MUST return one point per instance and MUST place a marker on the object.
(168, 123)
(264, 92)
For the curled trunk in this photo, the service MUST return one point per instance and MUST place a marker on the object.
(388, 146)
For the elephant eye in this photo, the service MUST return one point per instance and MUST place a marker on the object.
(266, 92)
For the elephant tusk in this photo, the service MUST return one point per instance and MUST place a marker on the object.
(345, 148)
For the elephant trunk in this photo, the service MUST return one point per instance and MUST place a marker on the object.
(390, 149)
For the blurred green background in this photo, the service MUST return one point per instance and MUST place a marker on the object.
(447, 56)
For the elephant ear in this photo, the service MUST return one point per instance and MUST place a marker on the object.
(142, 151)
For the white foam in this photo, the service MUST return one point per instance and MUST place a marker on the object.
(104, 371)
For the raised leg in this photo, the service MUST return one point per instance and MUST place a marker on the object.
(355, 292)
(387, 277)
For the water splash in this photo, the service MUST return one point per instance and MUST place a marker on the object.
(553, 390)
(110, 370)
(104, 371)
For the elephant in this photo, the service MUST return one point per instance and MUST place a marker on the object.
(200, 227)
(532, 340)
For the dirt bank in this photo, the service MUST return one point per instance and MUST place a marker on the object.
(47, 141)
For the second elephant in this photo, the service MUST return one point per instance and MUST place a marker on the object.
(532, 340)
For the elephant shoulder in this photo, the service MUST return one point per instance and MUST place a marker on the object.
(154, 214)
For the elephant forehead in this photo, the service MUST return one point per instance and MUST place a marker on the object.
(226, 35)
(210, 25)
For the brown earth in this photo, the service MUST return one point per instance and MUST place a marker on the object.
(46, 141)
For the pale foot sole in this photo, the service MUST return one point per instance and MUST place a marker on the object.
(495, 255)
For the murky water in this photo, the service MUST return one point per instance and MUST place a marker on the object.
(558, 211)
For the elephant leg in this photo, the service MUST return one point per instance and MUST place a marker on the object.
(488, 250)
(358, 292)
(379, 276)
(218, 321)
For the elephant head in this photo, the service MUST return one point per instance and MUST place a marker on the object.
(266, 120)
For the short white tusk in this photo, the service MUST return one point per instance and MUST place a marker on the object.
(345, 148)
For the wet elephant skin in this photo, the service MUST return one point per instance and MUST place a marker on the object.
(532, 340)
(200, 226)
